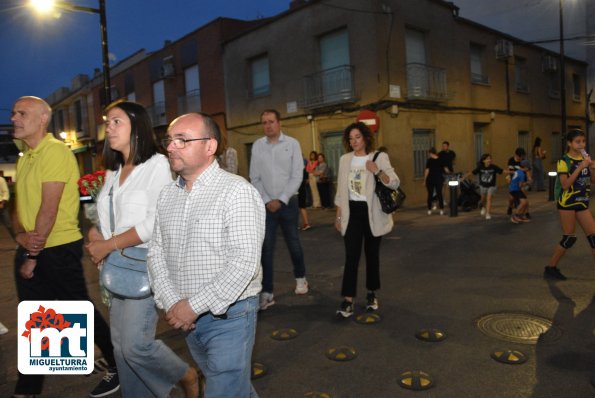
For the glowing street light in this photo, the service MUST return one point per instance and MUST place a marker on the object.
(562, 78)
(42, 6)
(47, 6)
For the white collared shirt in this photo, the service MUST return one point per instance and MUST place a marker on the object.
(135, 200)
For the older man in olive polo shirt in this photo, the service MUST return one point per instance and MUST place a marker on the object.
(48, 259)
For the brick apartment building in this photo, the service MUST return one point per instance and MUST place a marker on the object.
(426, 73)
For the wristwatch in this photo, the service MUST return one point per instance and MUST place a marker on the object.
(29, 256)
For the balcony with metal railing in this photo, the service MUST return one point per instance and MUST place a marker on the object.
(189, 102)
(426, 83)
(157, 113)
(329, 87)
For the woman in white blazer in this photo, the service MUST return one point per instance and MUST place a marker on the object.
(359, 216)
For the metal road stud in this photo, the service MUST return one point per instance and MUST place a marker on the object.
(511, 357)
(258, 370)
(317, 394)
(416, 380)
(368, 319)
(341, 353)
(284, 334)
(431, 335)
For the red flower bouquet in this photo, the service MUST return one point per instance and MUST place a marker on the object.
(90, 184)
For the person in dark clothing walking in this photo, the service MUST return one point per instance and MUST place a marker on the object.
(487, 171)
(433, 179)
(448, 158)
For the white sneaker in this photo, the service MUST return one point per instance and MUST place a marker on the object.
(3, 329)
(429, 212)
(483, 211)
(266, 300)
(441, 212)
(488, 217)
(301, 286)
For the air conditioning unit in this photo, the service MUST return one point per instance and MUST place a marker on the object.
(549, 63)
(504, 49)
(167, 68)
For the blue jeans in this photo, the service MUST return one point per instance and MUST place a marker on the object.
(222, 348)
(146, 367)
(287, 217)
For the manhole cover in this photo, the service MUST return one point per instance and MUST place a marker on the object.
(519, 328)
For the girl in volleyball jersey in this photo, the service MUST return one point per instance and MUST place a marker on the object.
(575, 171)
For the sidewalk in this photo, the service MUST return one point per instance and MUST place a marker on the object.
(437, 272)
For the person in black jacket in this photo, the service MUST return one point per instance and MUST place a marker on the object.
(434, 178)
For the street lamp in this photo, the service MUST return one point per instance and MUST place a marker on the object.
(46, 6)
(562, 78)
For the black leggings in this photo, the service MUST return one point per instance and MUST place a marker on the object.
(437, 186)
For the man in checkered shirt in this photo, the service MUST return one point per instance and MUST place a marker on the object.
(204, 258)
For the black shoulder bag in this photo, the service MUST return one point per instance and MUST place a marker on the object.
(390, 199)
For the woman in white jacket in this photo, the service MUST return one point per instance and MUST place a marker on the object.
(359, 215)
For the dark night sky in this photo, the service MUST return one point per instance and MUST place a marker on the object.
(39, 55)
